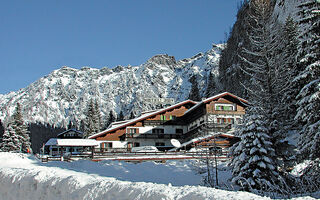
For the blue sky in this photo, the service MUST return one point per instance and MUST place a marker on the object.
(39, 36)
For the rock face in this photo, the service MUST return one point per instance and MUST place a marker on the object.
(63, 95)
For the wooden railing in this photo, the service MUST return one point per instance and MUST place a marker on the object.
(154, 135)
(107, 154)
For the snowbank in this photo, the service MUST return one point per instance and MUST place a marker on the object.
(23, 177)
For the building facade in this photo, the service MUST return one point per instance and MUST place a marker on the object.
(182, 121)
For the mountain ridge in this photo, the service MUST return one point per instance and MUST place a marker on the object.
(62, 95)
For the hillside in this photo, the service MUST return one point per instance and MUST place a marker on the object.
(63, 95)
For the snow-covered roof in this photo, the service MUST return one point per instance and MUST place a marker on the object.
(148, 111)
(72, 142)
(73, 130)
(214, 98)
(200, 138)
(51, 141)
(142, 117)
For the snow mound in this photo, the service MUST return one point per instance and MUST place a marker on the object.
(24, 177)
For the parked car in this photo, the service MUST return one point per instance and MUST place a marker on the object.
(144, 149)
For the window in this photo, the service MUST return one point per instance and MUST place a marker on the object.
(221, 120)
(132, 130)
(108, 144)
(226, 107)
(162, 117)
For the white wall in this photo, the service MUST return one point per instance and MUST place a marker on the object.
(168, 129)
(115, 144)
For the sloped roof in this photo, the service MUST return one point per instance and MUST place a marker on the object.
(72, 142)
(141, 118)
(218, 96)
(73, 130)
(200, 138)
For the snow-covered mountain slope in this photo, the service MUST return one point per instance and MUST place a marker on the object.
(63, 95)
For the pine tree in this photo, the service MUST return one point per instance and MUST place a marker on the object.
(98, 118)
(211, 88)
(1, 129)
(93, 119)
(17, 136)
(11, 141)
(194, 92)
(132, 116)
(111, 118)
(262, 63)
(120, 116)
(308, 99)
(254, 156)
(290, 51)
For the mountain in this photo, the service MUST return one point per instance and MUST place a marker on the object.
(63, 95)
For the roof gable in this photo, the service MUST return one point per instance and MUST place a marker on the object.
(225, 95)
(77, 133)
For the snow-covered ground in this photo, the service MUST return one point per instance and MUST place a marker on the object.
(24, 177)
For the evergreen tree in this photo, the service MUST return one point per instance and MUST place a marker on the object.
(194, 92)
(262, 62)
(211, 88)
(111, 118)
(18, 130)
(308, 99)
(254, 156)
(93, 119)
(10, 141)
(132, 116)
(290, 51)
(1, 129)
(98, 118)
(120, 116)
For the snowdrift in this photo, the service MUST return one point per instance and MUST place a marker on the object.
(23, 177)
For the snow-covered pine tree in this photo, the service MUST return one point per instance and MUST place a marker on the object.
(18, 130)
(262, 63)
(308, 99)
(253, 159)
(93, 119)
(21, 129)
(10, 141)
(290, 51)
(98, 118)
(284, 66)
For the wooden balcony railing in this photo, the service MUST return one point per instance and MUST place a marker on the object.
(154, 136)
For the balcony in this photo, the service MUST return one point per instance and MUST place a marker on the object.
(163, 122)
(226, 112)
(198, 130)
(154, 136)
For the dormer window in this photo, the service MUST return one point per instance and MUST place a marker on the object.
(225, 107)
